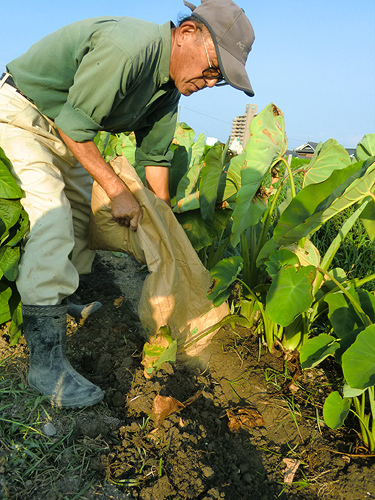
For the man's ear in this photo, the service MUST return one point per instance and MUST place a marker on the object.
(187, 31)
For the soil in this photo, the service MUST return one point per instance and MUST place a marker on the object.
(249, 411)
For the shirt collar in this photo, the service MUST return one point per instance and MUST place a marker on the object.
(165, 59)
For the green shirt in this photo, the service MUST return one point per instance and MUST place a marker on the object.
(105, 73)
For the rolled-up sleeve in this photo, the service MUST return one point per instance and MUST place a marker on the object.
(76, 124)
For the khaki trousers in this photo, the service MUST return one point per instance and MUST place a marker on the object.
(57, 194)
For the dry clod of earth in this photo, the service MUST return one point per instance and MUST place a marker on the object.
(113, 451)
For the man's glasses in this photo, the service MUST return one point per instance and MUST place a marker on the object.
(211, 73)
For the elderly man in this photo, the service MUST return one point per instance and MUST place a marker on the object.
(109, 73)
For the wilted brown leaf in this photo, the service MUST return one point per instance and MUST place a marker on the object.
(291, 469)
(192, 399)
(244, 418)
(163, 406)
(118, 302)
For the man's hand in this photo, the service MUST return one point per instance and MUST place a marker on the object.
(126, 210)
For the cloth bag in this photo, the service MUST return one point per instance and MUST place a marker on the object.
(174, 293)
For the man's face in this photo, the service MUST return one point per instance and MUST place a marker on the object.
(192, 53)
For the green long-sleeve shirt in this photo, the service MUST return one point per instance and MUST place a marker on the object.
(105, 73)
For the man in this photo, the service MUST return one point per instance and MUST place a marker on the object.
(114, 74)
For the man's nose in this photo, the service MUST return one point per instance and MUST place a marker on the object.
(211, 83)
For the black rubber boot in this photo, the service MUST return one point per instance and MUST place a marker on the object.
(50, 373)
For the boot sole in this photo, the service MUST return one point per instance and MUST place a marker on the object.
(67, 404)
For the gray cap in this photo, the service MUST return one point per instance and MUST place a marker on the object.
(232, 35)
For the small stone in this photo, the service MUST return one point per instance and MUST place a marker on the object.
(247, 478)
(208, 472)
(167, 368)
(210, 447)
(133, 427)
(49, 429)
(118, 399)
(244, 468)
(213, 493)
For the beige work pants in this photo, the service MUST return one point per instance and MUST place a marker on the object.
(57, 194)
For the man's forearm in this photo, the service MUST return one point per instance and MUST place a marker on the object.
(157, 181)
(90, 158)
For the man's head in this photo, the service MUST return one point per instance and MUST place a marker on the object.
(212, 45)
(194, 63)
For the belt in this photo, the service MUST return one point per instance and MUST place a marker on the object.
(9, 80)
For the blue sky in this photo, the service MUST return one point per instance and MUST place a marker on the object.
(314, 60)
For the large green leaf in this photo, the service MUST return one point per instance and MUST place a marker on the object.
(15, 308)
(316, 349)
(223, 275)
(327, 158)
(349, 392)
(187, 186)
(8, 187)
(190, 202)
(290, 294)
(210, 178)
(317, 203)
(199, 233)
(184, 136)
(342, 314)
(358, 362)
(279, 258)
(10, 211)
(266, 251)
(366, 147)
(5, 295)
(126, 147)
(18, 231)
(346, 342)
(9, 258)
(307, 255)
(197, 149)
(267, 144)
(106, 143)
(101, 140)
(179, 167)
(230, 181)
(335, 410)
(368, 220)
(189, 181)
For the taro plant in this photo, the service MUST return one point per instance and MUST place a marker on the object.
(289, 297)
(13, 226)
(262, 215)
(298, 285)
(352, 343)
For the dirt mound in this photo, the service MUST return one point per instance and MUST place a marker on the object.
(248, 412)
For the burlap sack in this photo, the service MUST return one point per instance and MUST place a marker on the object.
(174, 293)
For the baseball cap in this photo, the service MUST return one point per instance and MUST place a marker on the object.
(232, 35)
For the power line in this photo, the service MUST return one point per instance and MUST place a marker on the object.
(208, 116)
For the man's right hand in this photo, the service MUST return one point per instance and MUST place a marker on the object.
(126, 210)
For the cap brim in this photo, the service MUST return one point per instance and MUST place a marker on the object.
(233, 71)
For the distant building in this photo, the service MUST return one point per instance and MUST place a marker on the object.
(211, 141)
(241, 125)
(307, 150)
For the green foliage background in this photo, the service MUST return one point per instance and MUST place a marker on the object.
(13, 227)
